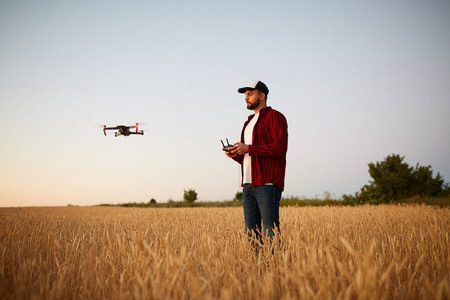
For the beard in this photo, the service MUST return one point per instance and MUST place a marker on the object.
(252, 106)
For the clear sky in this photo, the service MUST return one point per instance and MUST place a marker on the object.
(356, 80)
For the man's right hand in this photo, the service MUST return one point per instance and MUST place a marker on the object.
(231, 152)
(239, 149)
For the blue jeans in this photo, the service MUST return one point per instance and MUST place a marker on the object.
(261, 203)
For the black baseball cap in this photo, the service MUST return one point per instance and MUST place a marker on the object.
(254, 85)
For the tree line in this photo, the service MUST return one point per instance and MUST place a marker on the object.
(393, 180)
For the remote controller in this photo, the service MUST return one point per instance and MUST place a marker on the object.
(226, 147)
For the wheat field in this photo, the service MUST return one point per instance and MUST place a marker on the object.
(367, 252)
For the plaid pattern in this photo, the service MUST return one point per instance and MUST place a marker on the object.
(268, 149)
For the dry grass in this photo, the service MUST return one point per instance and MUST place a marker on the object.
(369, 252)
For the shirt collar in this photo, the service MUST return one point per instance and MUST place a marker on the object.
(262, 111)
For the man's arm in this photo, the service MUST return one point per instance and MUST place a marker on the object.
(277, 135)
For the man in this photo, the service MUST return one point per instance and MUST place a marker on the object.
(262, 155)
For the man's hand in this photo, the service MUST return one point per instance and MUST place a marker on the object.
(239, 149)
(229, 153)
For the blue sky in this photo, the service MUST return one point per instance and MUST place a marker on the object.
(356, 80)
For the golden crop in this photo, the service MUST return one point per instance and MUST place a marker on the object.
(367, 252)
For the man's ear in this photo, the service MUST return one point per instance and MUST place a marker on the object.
(263, 96)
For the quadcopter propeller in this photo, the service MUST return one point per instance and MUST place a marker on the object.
(138, 124)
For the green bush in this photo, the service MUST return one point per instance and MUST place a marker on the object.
(394, 179)
(190, 196)
(238, 197)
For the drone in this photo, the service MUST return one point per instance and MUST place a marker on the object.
(124, 130)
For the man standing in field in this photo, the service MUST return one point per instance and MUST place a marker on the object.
(262, 155)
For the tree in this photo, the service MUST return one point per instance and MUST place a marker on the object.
(190, 195)
(238, 197)
(391, 178)
(425, 185)
(394, 179)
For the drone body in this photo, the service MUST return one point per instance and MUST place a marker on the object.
(124, 130)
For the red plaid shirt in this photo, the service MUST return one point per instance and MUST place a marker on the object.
(268, 148)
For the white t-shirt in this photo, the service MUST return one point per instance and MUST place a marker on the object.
(248, 139)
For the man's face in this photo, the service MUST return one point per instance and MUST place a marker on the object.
(253, 99)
